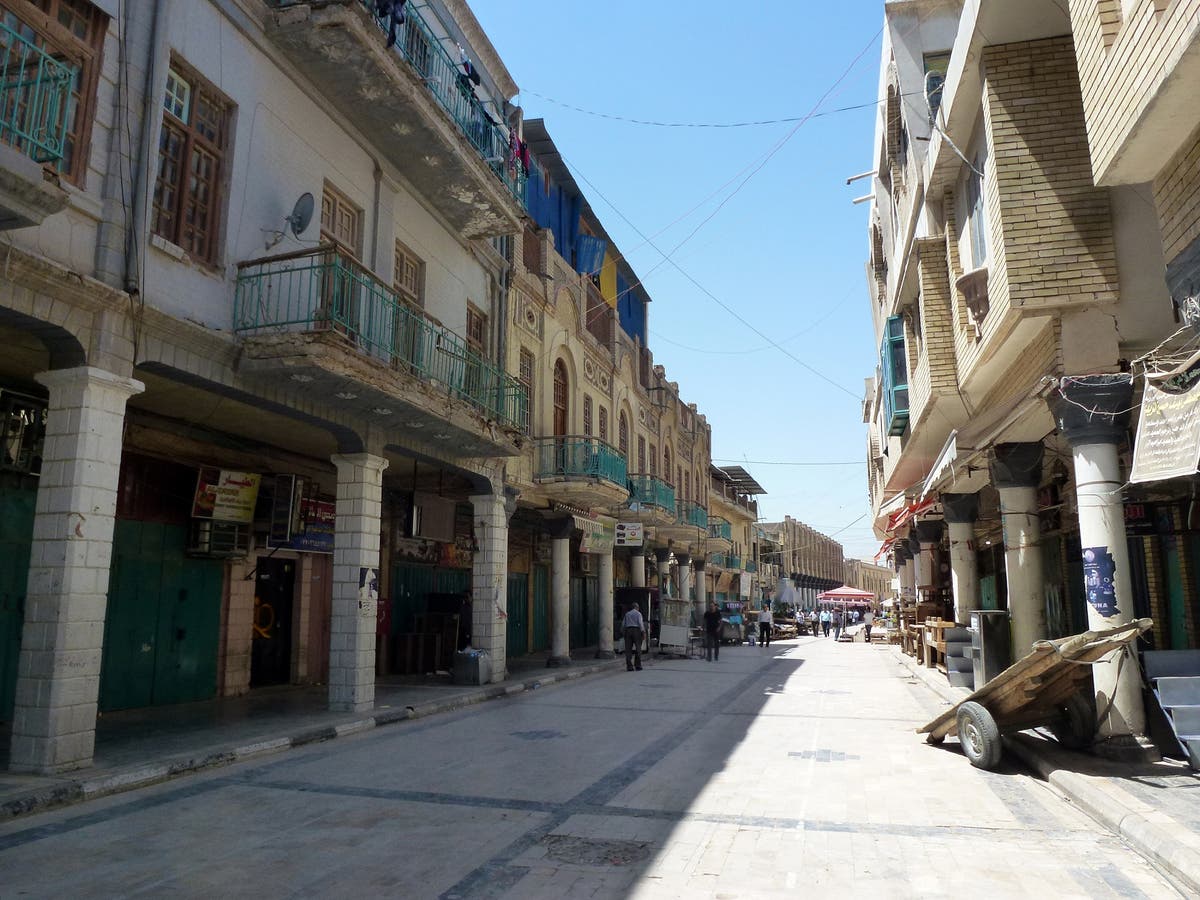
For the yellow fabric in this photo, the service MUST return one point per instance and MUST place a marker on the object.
(608, 280)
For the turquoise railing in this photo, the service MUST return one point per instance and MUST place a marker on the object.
(650, 490)
(751, 566)
(733, 562)
(35, 95)
(717, 559)
(325, 290)
(720, 529)
(688, 513)
(579, 457)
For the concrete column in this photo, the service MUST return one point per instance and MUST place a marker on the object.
(919, 565)
(637, 568)
(701, 604)
(1016, 471)
(685, 575)
(605, 650)
(58, 682)
(1093, 414)
(489, 581)
(663, 558)
(961, 511)
(929, 535)
(560, 593)
(355, 576)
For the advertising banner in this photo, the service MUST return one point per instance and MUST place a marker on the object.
(1168, 435)
(630, 534)
(598, 537)
(225, 496)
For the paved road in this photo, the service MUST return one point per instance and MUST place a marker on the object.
(775, 772)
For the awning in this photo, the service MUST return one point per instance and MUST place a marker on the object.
(944, 461)
(724, 582)
(901, 518)
(885, 548)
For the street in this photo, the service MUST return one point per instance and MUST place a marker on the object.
(783, 771)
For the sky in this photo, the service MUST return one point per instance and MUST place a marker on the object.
(758, 217)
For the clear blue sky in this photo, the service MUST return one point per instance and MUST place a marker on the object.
(787, 249)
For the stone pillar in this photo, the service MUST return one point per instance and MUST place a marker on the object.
(685, 575)
(919, 564)
(701, 604)
(663, 558)
(355, 581)
(904, 569)
(637, 568)
(961, 511)
(605, 650)
(1016, 471)
(489, 581)
(58, 682)
(929, 535)
(560, 592)
(1092, 413)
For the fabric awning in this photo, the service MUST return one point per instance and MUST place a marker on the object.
(945, 460)
(899, 519)
(724, 582)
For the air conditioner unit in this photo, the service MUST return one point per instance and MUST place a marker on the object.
(587, 564)
(225, 540)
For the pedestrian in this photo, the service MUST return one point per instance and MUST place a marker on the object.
(634, 627)
(813, 624)
(712, 633)
(826, 621)
(868, 618)
(764, 626)
(839, 620)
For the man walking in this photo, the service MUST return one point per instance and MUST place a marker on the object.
(765, 624)
(712, 633)
(868, 618)
(634, 627)
(826, 621)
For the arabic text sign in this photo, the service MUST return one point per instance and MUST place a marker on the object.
(597, 537)
(630, 534)
(1168, 436)
(225, 496)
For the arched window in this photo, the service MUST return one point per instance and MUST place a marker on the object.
(667, 464)
(687, 485)
(560, 398)
(623, 435)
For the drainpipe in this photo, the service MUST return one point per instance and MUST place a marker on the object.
(156, 77)
(378, 174)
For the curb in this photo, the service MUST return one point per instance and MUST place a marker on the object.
(1156, 842)
(60, 794)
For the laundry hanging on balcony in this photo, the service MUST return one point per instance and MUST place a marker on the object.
(393, 12)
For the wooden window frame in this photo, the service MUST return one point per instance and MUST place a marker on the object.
(527, 363)
(641, 445)
(86, 54)
(477, 321)
(401, 255)
(354, 249)
(623, 435)
(587, 415)
(603, 422)
(194, 140)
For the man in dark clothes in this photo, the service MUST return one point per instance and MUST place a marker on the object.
(634, 627)
(712, 633)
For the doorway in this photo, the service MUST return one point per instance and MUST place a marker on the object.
(271, 648)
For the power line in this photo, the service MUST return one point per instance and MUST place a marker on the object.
(777, 462)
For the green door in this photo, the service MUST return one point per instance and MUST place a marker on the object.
(1173, 571)
(411, 587)
(988, 598)
(518, 615)
(16, 537)
(540, 632)
(162, 625)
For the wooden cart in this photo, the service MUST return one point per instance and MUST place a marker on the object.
(1043, 688)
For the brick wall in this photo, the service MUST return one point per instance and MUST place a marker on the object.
(1157, 590)
(1177, 196)
(1056, 225)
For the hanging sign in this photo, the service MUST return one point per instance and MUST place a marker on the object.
(1099, 571)
(744, 584)
(1168, 435)
(598, 537)
(314, 529)
(630, 534)
(225, 496)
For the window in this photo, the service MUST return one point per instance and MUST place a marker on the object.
(71, 31)
(936, 65)
(895, 377)
(525, 376)
(476, 331)
(587, 415)
(408, 276)
(623, 435)
(654, 460)
(977, 223)
(341, 221)
(642, 454)
(603, 423)
(191, 157)
(667, 463)
(560, 398)
(687, 485)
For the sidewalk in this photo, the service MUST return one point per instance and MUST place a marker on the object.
(140, 747)
(1154, 807)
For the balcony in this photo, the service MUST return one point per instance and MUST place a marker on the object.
(720, 533)
(717, 560)
(35, 97)
(412, 102)
(751, 566)
(581, 471)
(688, 526)
(733, 562)
(651, 500)
(320, 319)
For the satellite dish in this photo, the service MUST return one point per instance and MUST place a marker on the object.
(302, 214)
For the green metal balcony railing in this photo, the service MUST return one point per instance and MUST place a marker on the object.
(717, 559)
(751, 566)
(689, 513)
(35, 95)
(326, 290)
(733, 562)
(719, 528)
(649, 490)
(579, 457)
(446, 80)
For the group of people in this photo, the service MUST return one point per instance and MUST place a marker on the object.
(837, 620)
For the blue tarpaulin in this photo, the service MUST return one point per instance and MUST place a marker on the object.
(631, 309)
(589, 254)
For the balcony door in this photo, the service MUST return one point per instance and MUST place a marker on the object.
(560, 417)
(341, 227)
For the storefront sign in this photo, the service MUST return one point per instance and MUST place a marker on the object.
(225, 496)
(630, 534)
(1098, 574)
(314, 529)
(598, 537)
(1168, 435)
(1140, 518)
(744, 586)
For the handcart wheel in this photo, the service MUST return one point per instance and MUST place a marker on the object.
(979, 735)
(1077, 727)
